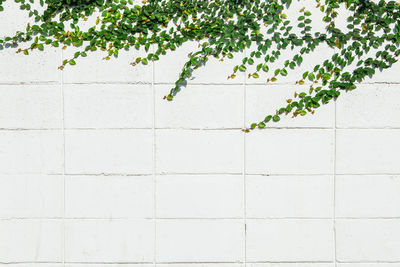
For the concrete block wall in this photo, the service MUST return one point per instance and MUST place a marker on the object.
(97, 170)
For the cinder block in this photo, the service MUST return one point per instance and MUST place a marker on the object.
(109, 196)
(291, 264)
(168, 68)
(108, 265)
(191, 151)
(24, 152)
(289, 196)
(367, 196)
(386, 76)
(30, 240)
(201, 265)
(290, 151)
(368, 240)
(109, 151)
(108, 106)
(367, 151)
(201, 106)
(16, 19)
(310, 60)
(35, 265)
(95, 69)
(30, 106)
(263, 100)
(370, 106)
(367, 264)
(38, 66)
(199, 196)
(109, 241)
(35, 195)
(290, 240)
(200, 241)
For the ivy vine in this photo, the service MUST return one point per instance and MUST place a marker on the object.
(370, 41)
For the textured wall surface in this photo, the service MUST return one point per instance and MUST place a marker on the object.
(96, 169)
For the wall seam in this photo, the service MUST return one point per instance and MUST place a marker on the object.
(244, 167)
(63, 157)
(154, 163)
(334, 188)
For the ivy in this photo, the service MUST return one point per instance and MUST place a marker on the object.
(224, 28)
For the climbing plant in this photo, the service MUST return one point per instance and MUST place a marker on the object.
(368, 42)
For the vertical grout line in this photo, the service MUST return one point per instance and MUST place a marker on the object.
(63, 171)
(154, 164)
(334, 191)
(244, 167)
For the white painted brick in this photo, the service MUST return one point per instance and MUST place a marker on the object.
(109, 196)
(368, 264)
(35, 195)
(109, 241)
(31, 152)
(109, 151)
(168, 68)
(38, 66)
(108, 265)
(292, 151)
(386, 76)
(199, 196)
(289, 196)
(93, 69)
(108, 106)
(367, 151)
(202, 265)
(318, 56)
(201, 106)
(290, 240)
(368, 240)
(291, 264)
(370, 105)
(200, 240)
(30, 240)
(33, 265)
(367, 196)
(30, 106)
(216, 71)
(187, 151)
(263, 100)
(15, 18)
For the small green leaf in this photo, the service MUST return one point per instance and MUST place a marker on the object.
(276, 118)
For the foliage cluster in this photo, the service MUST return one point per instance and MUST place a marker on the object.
(369, 41)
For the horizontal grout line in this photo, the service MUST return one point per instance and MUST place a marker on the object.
(172, 83)
(197, 129)
(197, 218)
(200, 262)
(205, 173)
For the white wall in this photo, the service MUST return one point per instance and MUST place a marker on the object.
(97, 169)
